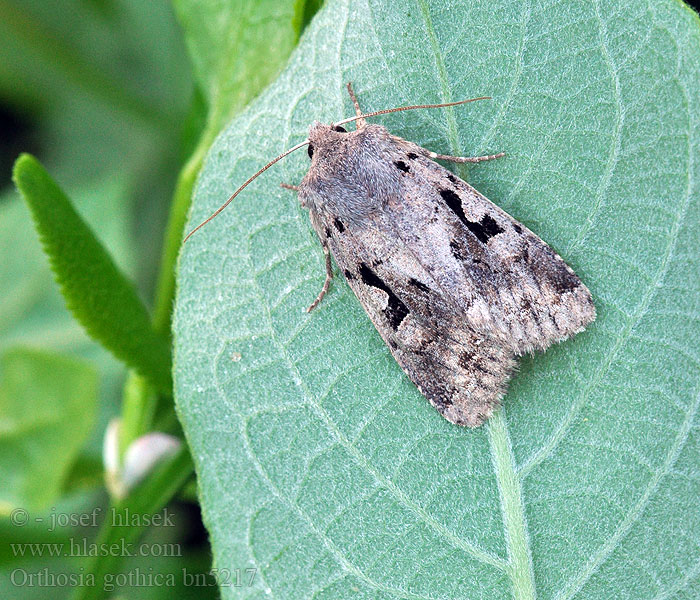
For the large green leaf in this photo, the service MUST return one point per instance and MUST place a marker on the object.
(319, 462)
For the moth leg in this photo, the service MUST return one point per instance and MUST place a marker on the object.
(327, 282)
(360, 123)
(289, 186)
(463, 159)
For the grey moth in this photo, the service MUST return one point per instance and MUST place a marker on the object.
(456, 287)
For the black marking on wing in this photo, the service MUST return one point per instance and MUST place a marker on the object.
(328, 232)
(548, 267)
(412, 155)
(395, 310)
(418, 284)
(517, 228)
(338, 225)
(452, 178)
(465, 359)
(556, 272)
(348, 275)
(402, 166)
(484, 230)
(457, 251)
(488, 228)
(564, 281)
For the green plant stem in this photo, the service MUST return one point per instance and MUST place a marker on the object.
(149, 498)
(138, 408)
(182, 199)
(520, 566)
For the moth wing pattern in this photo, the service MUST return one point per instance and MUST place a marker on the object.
(508, 283)
(461, 372)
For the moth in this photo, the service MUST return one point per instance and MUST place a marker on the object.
(456, 287)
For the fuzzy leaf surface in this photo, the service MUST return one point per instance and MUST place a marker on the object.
(319, 463)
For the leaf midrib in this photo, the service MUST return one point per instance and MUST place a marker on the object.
(519, 566)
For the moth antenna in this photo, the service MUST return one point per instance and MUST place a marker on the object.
(399, 109)
(240, 189)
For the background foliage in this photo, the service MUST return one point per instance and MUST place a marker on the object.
(120, 100)
(318, 463)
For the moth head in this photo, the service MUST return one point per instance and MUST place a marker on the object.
(325, 138)
(326, 142)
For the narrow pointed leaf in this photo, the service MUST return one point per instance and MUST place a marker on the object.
(97, 293)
